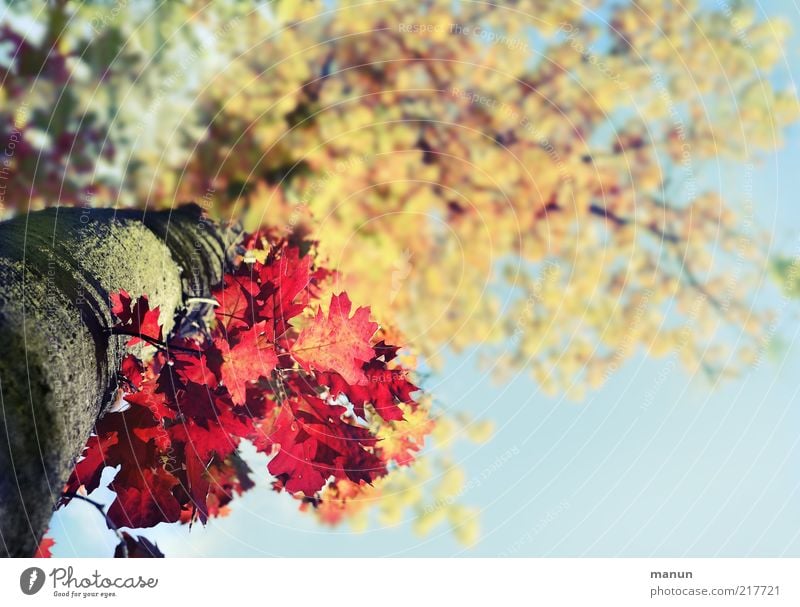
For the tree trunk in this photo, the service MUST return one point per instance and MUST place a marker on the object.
(57, 359)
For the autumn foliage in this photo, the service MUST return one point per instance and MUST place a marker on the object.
(549, 190)
(307, 379)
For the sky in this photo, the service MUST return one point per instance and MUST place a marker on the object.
(655, 463)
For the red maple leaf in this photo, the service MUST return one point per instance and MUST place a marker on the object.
(43, 549)
(127, 439)
(338, 342)
(147, 502)
(156, 402)
(200, 368)
(212, 436)
(197, 482)
(88, 470)
(235, 299)
(135, 319)
(251, 356)
(386, 388)
(284, 287)
(314, 442)
(130, 371)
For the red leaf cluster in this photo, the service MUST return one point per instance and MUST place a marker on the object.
(275, 370)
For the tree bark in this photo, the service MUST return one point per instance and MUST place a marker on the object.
(58, 361)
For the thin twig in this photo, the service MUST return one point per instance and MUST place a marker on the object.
(153, 341)
(109, 522)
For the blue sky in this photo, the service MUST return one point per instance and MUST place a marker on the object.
(696, 472)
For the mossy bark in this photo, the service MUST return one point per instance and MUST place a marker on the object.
(57, 358)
